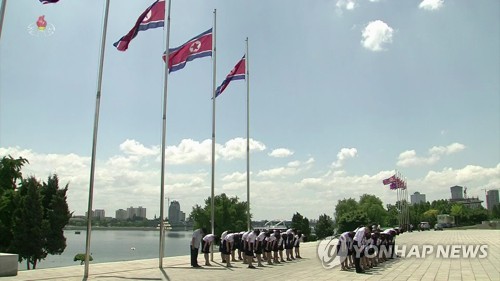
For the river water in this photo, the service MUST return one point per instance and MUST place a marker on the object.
(117, 245)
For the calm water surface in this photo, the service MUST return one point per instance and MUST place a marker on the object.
(118, 245)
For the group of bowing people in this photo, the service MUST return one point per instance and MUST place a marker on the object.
(264, 246)
(366, 247)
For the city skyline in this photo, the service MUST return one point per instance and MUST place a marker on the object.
(342, 94)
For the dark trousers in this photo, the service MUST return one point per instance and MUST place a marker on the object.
(194, 256)
(357, 257)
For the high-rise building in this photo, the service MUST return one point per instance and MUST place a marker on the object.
(457, 192)
(139, 212)
(492, 199)
(121, 214)
(416, 198)
(457, 196)
(174, 211)
(97, 214)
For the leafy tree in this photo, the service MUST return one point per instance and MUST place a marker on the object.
(302, 224)
(372, 206)
(495, 212)
(56, 214)
(229, 214)
(10, 172)
(458, 211)
(392, 215)
(324, 227)
(431, 216)
(442, 205)
(477, 215)
(28, 238)
(345, 206)
(351, 221)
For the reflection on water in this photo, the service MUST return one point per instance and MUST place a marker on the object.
(118, 245)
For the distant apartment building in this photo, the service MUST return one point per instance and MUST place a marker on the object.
(97, 214)
(417, 198)
(121, 214)
(138, 212)
(492, 199)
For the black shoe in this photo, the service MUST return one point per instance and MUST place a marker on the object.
(362, 271)
(196, 266)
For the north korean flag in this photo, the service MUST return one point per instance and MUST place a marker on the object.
(237, 73)
(152, 17)
(197, 47)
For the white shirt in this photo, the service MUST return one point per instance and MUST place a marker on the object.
(289, 231)
(223, 235)
(229, 238)
(244, 236)
(261, 236)
(270, 239)
(209, 238)
(360, 234)
(197, 236)
(251, 237)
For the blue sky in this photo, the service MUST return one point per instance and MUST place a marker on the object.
(343, 92)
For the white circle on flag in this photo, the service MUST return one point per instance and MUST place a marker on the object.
(195, 46)
(148, 16)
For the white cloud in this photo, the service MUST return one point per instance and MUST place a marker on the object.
(450, 149)
(343, 155)
(281, 153)
(376, 34)
(236, 148)
(273, 191)
(292, 168)
(431, 5)
(409, 158)
(346, 5)
(133, 147)
(190, 151)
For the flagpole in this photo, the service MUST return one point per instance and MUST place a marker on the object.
(163, 138)
(2, 15)
(247, 75)
(214, 57)
(94, 140)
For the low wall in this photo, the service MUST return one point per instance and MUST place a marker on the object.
(8, 264)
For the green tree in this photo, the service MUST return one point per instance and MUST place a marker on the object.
(458, 211)
(442, 205)
(230, 214)
(56, 214)
(431, 216)
(324, 227)
(10, 172)
(495, 212)
(302, 224)
(28, 223)
(345, 206)
(351, 221)
(392, 215)
(372, 206)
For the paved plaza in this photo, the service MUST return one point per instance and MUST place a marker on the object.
(308, 268)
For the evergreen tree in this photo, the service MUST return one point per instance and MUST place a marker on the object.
(28, 238)
(324, 227)
(10, 174)
(56, 214)
(301, 224)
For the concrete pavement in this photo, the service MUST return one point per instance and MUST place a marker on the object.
(308, 268)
